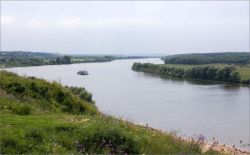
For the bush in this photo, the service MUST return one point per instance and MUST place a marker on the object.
(7, 145)
(107, 138)
(35, 134)
(16, 87)
(82, 93)
(21, 110)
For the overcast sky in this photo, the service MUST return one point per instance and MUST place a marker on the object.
(125, 27)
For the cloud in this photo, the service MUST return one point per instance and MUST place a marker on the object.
(100, 23)
(7, 19)
(74, 22)
(36, 23)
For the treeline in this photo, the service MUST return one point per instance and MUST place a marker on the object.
(208, 58)
(226, 74)
(17, 62)
(90, 59)
(22, 59)
(24, 54)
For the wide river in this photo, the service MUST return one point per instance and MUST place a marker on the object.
(186, 106)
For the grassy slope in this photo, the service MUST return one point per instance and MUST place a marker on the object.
(33, 124)
(244, 70)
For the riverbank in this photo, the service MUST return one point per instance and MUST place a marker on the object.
(224, 149)
(42, 117)
(208, 72)
(207, 146)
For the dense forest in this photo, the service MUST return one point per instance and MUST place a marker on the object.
(40, 117)
(224, 74)
(208, 58)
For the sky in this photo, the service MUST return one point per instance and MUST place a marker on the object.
(125, 27)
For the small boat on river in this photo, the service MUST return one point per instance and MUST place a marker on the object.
(82, 72)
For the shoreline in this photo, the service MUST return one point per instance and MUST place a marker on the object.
(224, 149)
(205, 145)
(192, 79)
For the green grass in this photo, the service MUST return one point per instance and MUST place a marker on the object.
(34, 124)
(243, 69)
(63, 133)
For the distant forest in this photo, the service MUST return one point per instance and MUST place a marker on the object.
(208, 58)
(20, 58)
(226, 74)
(225, 67)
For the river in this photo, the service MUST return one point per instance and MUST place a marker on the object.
(183, 106)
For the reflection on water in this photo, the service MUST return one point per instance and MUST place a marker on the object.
(191, 106)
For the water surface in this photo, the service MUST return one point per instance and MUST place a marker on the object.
(189, 107)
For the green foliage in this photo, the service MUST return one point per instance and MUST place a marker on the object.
(22, 110)
(208, 58)
(82, 93)
(23, 54)
(106, 138)
(20, 58)
(63, 60)
(51, 96)
(57, 134)
(225, 74)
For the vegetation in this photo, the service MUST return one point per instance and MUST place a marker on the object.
(226, 67)
(89, 59)
(82, 93)
(19, 58)
(209, 58)
(40, 117)
(46, 96)
(22, 59)
(23, 54)
(224, 73)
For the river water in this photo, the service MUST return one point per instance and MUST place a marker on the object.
(183, 106)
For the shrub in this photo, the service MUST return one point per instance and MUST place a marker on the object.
(7, 145)
(16, 87)
(35, 134)
(107, 138)
(21, 110)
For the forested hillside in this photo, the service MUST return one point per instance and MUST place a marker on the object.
(209, 58)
